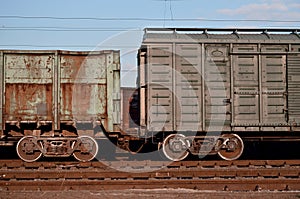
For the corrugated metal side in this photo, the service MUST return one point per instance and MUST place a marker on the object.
(188, 87)
(258, 73)
(260, 87)
(273, 89)
(274, 86)
(246, 86)
(217, 88)
(160, 88)
(180, 80)
(174, 87)
(294, 86)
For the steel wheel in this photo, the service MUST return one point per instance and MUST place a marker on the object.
(231, 148)
(28, 149)
(86, 148)
(174, 147)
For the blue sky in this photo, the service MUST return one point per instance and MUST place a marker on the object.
(88, 34)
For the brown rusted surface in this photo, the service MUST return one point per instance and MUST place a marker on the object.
(28, 86)
(208, 184)
(83, 102)
(164, 193)
(28, 102)
(16, 175)
(85, 89)
(56, 87)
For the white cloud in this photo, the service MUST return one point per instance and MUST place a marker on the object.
(268, 9)
(250, 8)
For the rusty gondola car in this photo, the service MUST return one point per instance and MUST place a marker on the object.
(54, 103)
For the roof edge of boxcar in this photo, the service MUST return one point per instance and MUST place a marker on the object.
(222, 34)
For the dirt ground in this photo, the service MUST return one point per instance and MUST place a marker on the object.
(147, 193)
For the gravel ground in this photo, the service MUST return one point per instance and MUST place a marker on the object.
(145, 194)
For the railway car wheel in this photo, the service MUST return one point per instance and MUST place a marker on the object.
(175, 147)
(230, 147)
(86, 149)
(28, 149)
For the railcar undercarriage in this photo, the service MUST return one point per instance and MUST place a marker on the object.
(31, 148)
(177, 147)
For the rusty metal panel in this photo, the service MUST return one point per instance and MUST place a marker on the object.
(28, 102)
(28, 68)
(28, 86)
(61, 86)
(89, 88)
(83, 102)
(83, 87)
(83, 68)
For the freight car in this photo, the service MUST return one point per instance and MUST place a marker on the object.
(199, 91)
(56, 103)
(205, 91)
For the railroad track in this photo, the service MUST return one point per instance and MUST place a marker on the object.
(241, 175)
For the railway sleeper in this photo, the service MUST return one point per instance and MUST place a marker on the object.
(32, 148)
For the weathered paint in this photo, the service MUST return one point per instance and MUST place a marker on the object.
(28, 102)
(60, 87)
(83, 87)
(28, 68)
(28, 87)
(249, 81)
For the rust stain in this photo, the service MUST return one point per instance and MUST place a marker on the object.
(30, 83)
(28, 101)
(81, 96)
(81, 102)
(33, 65)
